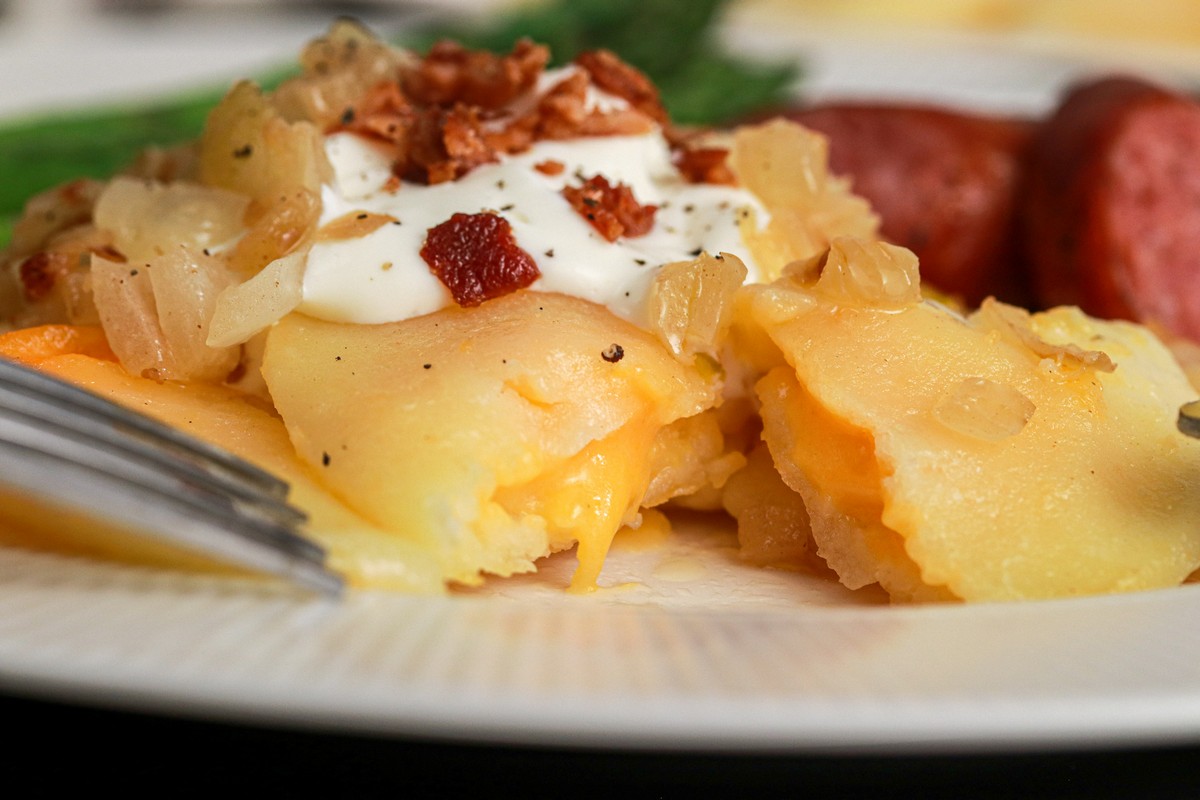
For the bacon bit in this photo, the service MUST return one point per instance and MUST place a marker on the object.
(40, 272)
(354, 225)
(705, 165)
(384, 114)
(550, 167)
(451, 74)
(625, 122)
(445, 145)
(450, 112)
(562, 113)
(612, 210)
(562, 109)
(515, 136)
(477, 258)
(615, 76)
(462, 138)
(392, 185)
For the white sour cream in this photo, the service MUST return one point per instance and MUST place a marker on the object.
(381, 277)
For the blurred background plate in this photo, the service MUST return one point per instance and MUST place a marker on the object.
(989, 54)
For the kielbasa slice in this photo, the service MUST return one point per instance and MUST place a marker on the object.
(1112, 214)
(944, 183)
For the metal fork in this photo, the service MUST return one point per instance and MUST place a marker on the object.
(1188, 421)
(73, 450)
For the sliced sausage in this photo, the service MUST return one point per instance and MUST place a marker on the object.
(1112, 215)
(944, 184)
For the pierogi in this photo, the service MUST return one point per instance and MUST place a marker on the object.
(996, 456)
(477, 311)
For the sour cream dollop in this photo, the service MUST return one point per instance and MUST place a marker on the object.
(381, 277)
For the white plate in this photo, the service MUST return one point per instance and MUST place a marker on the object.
(692, 650)
(704, 653)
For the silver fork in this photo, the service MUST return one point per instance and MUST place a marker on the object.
(1188, 421)
(74, 450)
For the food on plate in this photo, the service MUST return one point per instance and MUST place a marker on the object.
(243, 424)
(1094, 205)
(478, 311)
(997, 456)
(497, 435)
(486, 300)
(944, 182)
(1113, 208)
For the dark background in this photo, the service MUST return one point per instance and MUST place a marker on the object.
(60, 748)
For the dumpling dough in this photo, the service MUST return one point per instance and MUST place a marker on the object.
(490, 436)
(996, 457)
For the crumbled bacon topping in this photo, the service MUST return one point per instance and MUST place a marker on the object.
(612, 210)
(550, 167)
(563, 113)
(446, 144)
(384, 114)
(457, 108)
(616, 77)
(704, 165)
(477, 258)
(451, 74)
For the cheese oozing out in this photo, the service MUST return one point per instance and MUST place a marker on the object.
(380, 277)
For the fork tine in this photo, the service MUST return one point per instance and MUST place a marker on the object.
(82, 405)
(1188, 421)
(67, 408)
(240, 541)
(202, 497)
(65, 424)
(161, 475)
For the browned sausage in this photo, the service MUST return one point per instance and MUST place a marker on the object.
(944, 184)
(1112, 215)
